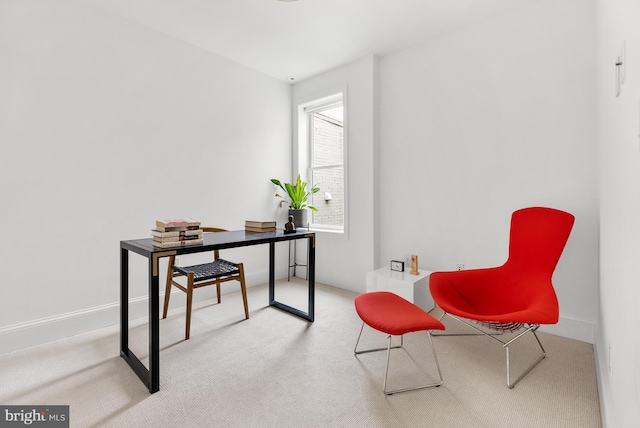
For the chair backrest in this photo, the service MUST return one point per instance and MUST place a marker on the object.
(216, 253)
(212, 229)
(537, 238)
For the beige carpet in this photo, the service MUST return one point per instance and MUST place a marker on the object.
(277, 370)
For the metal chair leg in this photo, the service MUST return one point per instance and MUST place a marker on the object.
(531, 328)
(355, 350)
(386, 371)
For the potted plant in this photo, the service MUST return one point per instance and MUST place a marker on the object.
(298, 195)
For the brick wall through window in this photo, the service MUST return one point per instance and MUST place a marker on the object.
(328, 141)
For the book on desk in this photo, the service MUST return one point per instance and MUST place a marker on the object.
(259, 226)
(177, 233)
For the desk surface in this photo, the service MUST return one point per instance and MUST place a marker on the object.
(215, 241)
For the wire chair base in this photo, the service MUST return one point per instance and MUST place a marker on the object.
(501, 328)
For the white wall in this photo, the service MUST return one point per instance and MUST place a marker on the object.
(106, 126)
(344, 259)
(486, 120)
(617, 345)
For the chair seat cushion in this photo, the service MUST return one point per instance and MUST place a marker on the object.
(490, 295)
(389, 313)
(215, 269)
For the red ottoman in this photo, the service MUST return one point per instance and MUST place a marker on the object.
(395, 316)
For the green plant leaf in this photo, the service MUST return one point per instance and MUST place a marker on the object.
(278, 183)
(297, 193)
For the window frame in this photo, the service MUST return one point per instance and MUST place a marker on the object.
(303, 149)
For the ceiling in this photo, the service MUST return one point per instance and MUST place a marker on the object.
(295, 39)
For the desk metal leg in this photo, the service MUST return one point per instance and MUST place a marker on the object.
(150, 377)
(310, 278)
(311, 275)
(272, 273)
(154, 329)
(124, 300)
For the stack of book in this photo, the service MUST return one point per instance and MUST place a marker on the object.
(176, 233)
(259, 226)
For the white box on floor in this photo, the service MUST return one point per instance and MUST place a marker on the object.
(414, 288)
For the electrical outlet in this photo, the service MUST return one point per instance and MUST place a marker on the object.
(459, 266)
(177, 261)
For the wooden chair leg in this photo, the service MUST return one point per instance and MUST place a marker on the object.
(243, 288)
(167, 290)
(218, 290)
(189, 304)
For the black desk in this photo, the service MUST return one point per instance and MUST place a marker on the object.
(212, 241)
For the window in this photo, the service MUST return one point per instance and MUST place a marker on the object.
(323, 142)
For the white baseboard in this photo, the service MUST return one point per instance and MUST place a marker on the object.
(39, 331)
(43, 330)
(572, 328)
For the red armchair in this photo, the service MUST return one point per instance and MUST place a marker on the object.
(516, 295)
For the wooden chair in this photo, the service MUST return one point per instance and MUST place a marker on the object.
(215, 272)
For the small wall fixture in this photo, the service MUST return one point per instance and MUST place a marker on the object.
(620, 68)
(327, 196)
